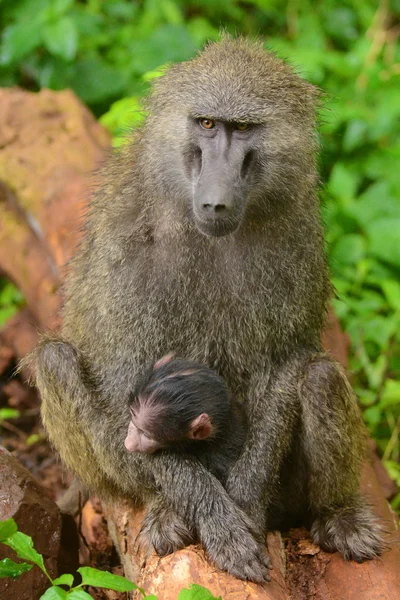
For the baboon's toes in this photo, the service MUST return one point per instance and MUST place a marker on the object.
(354, 532)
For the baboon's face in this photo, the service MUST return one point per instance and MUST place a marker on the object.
(220, 162)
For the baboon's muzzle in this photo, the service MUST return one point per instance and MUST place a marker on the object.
(220, 191)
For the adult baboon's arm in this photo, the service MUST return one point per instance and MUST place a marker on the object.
(226, 532)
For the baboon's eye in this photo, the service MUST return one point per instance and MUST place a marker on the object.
(207, 123)
(242, 126)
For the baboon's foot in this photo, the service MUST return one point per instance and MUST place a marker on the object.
(164, 531)
(353, 531)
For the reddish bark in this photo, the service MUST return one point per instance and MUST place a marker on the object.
(49, 146)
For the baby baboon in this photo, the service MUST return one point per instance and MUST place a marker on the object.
(205, 239)
(186, 407)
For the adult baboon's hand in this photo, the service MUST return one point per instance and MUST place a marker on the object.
(233, 545)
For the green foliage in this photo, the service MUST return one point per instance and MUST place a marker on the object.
(123, 116)
(108, 50)
(10, 300)
(7, 529)
(196, 592)
(103, 579)
(100, 49)
(362, 207)
(8, 568)
(23, 546)
(9, 413)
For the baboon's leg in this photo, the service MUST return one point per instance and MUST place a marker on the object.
(273, 412)
(333, 440)
(309, 391)
(66, 397)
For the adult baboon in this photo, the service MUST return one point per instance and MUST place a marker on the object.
(205, 239)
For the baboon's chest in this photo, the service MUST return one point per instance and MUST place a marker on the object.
(207, 315)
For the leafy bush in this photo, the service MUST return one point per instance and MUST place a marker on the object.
(103, 50)
(23, 546)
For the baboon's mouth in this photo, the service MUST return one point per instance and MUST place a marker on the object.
(217, 227)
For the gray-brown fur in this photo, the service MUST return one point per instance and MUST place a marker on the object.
(250, 304)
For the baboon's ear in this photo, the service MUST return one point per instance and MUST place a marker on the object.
(163, 361)
(200, 428)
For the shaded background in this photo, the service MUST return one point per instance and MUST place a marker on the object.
(108, 52)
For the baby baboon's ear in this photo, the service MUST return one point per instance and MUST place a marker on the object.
(200, 428)
(163, 361)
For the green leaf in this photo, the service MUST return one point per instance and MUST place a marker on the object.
(123, 116)
(79, 595)
(95, 81)
(23, 545)
(56, 593)
(379, 330)
(103, 579)
(349, 250)
(342, 183)
(166, 44)
(171, 12)
(202, 30)
(18, 40)
(391, 393)
(8, 568)
(7, 313)
(396, 501)
(9, 413)
(197, 592)
(64, 580)
(373, 415)
(375, 203)
(355, 134)
(27, 10)
(34, 439)
(384, 236)
(341, 285)
(366, 397)
(9, 294)
(341, 22)
(60, 7)
(391, 289)
(155, 74)
(7, 529)
(393, 469)
(60, 38)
